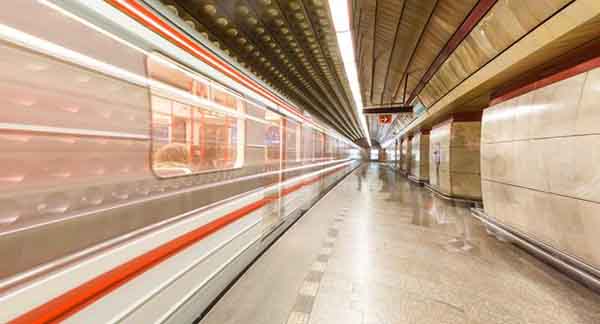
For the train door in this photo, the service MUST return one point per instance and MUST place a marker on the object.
(274, 149)
(291, 199)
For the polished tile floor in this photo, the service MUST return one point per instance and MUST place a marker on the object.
(381, 250)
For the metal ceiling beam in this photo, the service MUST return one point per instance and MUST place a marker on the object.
(477, 13)
(387, 71)
(412, 56)
(374, 44)
(399, 109)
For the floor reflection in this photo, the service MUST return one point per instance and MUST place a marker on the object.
(391, 252)
(430, 210)
(406, 255)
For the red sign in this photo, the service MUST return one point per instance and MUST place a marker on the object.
(385, 119)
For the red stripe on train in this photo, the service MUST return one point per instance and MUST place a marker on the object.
(69, 303)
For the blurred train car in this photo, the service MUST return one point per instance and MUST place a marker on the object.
(139, 172)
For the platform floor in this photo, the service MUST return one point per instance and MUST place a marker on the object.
(379, 249)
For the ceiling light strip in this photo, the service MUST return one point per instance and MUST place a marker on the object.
(341, 23)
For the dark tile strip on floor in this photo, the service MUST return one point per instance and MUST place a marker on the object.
(305, 300)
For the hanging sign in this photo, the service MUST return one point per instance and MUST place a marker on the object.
(385, 119)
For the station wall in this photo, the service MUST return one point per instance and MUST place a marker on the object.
(539, 165)
(454, 166)
(419, 164)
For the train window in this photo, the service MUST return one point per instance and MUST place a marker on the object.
(169, 74)
(273, 136)
(328, 147)
(307, 146)
(160, 69)
(200, 89)
(319, 143)
(225, 98)
(292, 141)
(189, 138)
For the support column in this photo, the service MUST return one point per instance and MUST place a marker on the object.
(405, 162)
(454, 163)
(419, 164)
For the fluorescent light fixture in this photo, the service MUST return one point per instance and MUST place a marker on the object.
(341, 22)
(341, 15)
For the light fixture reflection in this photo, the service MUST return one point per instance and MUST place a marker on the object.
(341, 23)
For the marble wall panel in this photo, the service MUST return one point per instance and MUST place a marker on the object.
(539, 164)
(466, 185)
(588, 111)
(439, 159)
(465, 159)
(424, 159)
(445, 181)
(415, 156)
(466, 134)
(419, 164)
(455, 155)
(406, 155)
(587, 163)
(589, 238)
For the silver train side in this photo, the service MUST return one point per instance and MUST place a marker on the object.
(82, 197)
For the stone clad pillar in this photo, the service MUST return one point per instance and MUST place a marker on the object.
(454, 156)
(419, 164)
(400, 154)
(405, 163)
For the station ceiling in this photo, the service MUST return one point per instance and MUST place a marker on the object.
(407, 51)
(417, 51)
(290, 45)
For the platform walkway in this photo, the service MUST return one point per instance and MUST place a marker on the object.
(381, 250)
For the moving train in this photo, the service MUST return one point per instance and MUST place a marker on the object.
(140, 171)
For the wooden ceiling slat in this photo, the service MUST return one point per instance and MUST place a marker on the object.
(366, 50)
(373, 49)
(506, 23)
(390, 37)
(479, 11)
(387, 67)
(417, 15)
(445, 19)
(405, 74)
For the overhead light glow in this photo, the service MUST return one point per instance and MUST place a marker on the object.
(341, 23)
(341, 15)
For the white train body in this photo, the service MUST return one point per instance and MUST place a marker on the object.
(140, 173)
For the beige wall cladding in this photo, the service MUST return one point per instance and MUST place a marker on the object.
(439, 157)
(465, 148)
(406, 155)
(419, 164)
(454, 166)
(539, 164)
